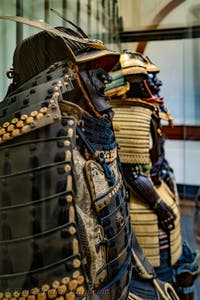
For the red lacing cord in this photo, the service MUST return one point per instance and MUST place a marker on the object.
(152, 98)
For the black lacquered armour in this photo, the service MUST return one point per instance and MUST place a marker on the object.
(65, 228)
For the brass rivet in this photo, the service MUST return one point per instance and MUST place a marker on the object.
(25, 128)
(76, 263)
(55, 284)
(70, 296)
(34, 113)
(43, 110)
(65, 280)
(15, 132)
(6, 124)
(67, 168)
(31, 297)
(10, 127)
(80, 279)
(24, 117)
(20, 124)
(72, 285)
(14, 120)
(72, 230)
(66, 143)
(35, 291)
(76, 274)
(2, 131)
(62, 289)
(6, 136)
(8, 295)
(52, 293)
(16, 294)
(80, 291)
(41, 296)
(60, 298)
(22, 298)
(70, 132)
(71, 122)
(39, 116)
(25, 293)
(29, 120)
(45, 287)
(69, 198)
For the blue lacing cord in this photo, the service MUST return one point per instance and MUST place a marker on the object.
(100, 157)
(118, 276)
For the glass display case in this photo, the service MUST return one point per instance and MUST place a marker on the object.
(166, 31)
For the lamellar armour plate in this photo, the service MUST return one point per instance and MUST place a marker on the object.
(61, 234)
(145, 224)
(133, 133)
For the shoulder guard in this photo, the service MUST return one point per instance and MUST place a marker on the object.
(34, 105)
(40, 248)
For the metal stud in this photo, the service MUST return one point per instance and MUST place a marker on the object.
(10, 128)
(66, 143)
(76, 263)
(29, 120)
(25, 128)
(76, 275)
(55, 284)
(6, 136)
(24, 117)
(39, 115)
(16, 294)
(68, 155)
(6, 124)
(62, 289)
(67, 168)
(2, 131)
(41, 296)
(70, 296)
(52, 293)
(31, 297)
(43, 110)
(72, 285)
(71, 122)
(14, 120)
(70, 132)
(15, 132)
(20, 124)
(80, 291)
(45, 287)
(80, 279)
(25, 293)
(65, 280)
(8, 295)
(72, 230)
(69, 198)
(34, 113)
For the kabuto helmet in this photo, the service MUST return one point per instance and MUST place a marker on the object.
(128, 67)
(36, 53)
